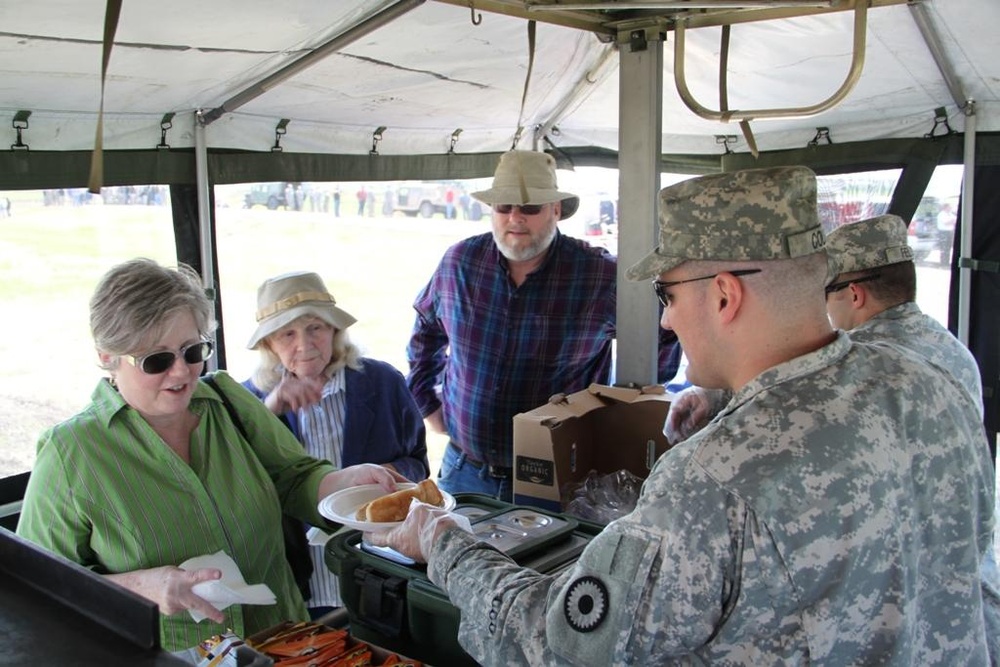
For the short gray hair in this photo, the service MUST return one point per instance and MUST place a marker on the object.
(133, 301)
(781, 281)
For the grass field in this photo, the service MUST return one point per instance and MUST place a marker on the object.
(51, 258)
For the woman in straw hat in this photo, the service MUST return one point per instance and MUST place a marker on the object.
(343, 408)
(155, 471)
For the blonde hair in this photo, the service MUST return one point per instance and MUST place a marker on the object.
(270, 370)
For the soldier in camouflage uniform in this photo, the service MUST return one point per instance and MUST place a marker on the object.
(835, 511)
(873, 295)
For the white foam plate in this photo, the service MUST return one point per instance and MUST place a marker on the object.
(342, 506)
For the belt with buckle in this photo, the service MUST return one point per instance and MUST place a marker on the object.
(496, 472)
(499, 472)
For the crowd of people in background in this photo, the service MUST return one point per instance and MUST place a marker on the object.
(453, 202)
(144, 195)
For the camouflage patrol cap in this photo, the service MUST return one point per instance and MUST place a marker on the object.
(754, 214)
(867, 244)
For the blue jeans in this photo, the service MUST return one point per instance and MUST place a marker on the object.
(460, 475)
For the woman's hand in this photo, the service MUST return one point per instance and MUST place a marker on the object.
(170, 588)
(293, 393)
(364, 473)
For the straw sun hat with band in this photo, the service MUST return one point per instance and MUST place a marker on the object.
(527, 177)
(285, 298)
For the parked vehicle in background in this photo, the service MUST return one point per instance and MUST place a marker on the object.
(271, 195)
(428, 199)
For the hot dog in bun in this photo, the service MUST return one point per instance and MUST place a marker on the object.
(395, 506)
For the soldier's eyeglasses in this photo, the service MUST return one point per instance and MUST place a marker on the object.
(160, 362)
(527, 209)
(661, 287)
(836, 287)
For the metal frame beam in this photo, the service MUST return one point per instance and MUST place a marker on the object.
(639, 140)
(330, 47)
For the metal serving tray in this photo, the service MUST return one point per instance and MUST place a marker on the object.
(391, 602)
(519, 530)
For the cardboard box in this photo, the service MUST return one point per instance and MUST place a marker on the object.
(601, 428)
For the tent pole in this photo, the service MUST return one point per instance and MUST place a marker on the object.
(932, 38)
(640, 140)
(205, 239)
(968, 187)
(338, 42)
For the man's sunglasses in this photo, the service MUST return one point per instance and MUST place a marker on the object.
(836, 287)
(661, 287)
(161, 362)
(527, 209)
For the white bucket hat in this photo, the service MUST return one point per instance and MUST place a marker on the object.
(285, 298)
(527, 177)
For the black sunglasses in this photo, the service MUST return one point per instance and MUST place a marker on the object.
(661, 287)
(160, 362)
(836, 287)
(527, 209)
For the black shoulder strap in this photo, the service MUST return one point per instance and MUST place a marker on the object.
(296, 545)
(210, 381)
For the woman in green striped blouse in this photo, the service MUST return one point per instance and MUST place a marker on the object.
(154, 471)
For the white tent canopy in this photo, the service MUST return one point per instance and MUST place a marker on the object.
(429, 71)
(370, 90)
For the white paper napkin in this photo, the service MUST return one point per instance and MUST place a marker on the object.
(230, 589)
